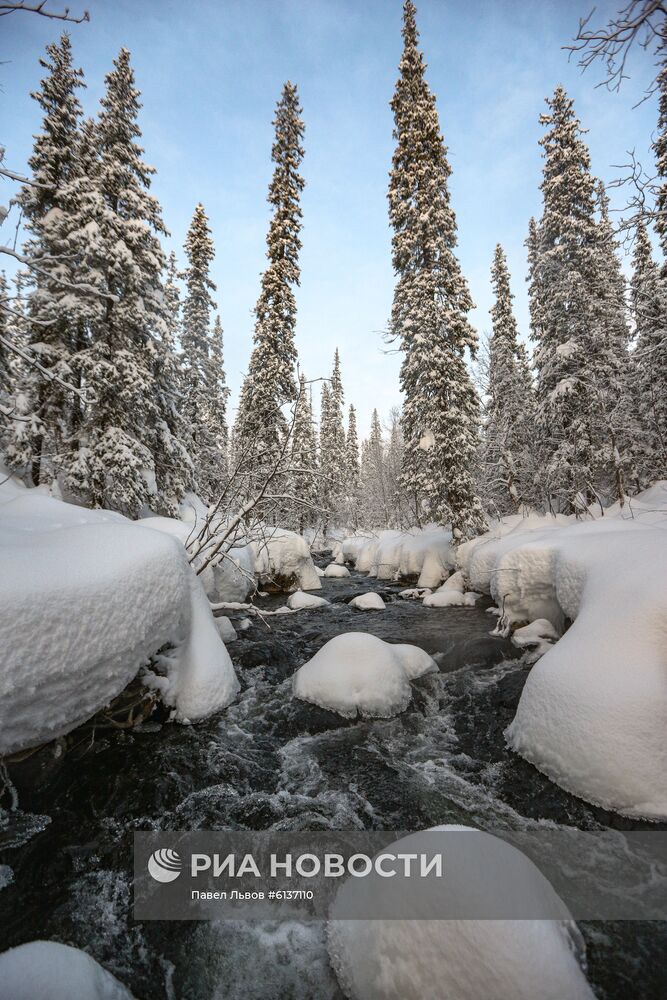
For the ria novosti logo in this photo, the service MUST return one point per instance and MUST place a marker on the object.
(165, 865)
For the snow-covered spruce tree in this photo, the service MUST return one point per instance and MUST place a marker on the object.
(205, 394)
(270, 382)
(52, 321)
(352, 457)
(660, 150)
(375, 503)
(429, 313)
(649, 306)
(125, 404)
(575, 322)
(333, 468)
(302, 477)
(508, 428)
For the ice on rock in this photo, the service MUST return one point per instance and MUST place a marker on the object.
(46, 970)
(87, 597)
(368, 602)
(457, 959)
(335, 571)
(301, 602)
(358, 674)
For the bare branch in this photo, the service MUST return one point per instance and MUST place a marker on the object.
(40, 8)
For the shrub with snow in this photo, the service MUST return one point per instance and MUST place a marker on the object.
(359, 674)
(46, 969)
(457, 959)
(368, 602)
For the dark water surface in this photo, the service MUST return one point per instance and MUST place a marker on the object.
(269, 762)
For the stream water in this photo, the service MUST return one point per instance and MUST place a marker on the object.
(270, 762)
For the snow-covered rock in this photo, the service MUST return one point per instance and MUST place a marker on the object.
(451, 599)
(301, 602)
(45, 969)
(391, 555)
(368, 602)
(593, 712)
(457, 959)
(415, 593)
(282, 557)
(336, 572)
(359, 674)
(538, 636)
(86, 599)
(226, 630)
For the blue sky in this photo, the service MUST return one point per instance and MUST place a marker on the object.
(210, 72)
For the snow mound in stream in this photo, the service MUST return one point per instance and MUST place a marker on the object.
(46, 970)
(454, 959)
(368, 602)
(302, 602)
(358, 674)
(87, 597)
(593, 712)
(336, 572)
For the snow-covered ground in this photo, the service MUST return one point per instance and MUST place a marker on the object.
(413, 959)
(87, 597)
(359, 674)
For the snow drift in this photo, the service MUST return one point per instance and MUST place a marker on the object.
(412, 959)
(359, 674)
(593, 712)
(426, 554)
(86, 599)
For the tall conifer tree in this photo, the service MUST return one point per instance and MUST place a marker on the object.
(430, 308)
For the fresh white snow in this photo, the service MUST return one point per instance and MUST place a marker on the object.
(359, 674)
(392, 555)
(86, 598)
(368, 602)
(336, 572)
(46, 970)
(593, 712)
(299, 601)
(417, 958)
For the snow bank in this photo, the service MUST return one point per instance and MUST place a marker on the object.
(44, 969)
(391, 555)
(86, 598)
(451, 599)
(335, 572)
(283, 557)
(593, 712)
(413, 959)
(368, 602)
(359, 674)
(301, 602)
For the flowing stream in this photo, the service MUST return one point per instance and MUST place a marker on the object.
(270, 762)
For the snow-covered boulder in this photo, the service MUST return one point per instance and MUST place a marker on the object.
(359, 674)
(226, 630)
(415, 957)
(86, 599)
(538, 637)
(336, 572)
(45, 969)
(302, 602)
(283, 559)
(368, 602)
(451, 599)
